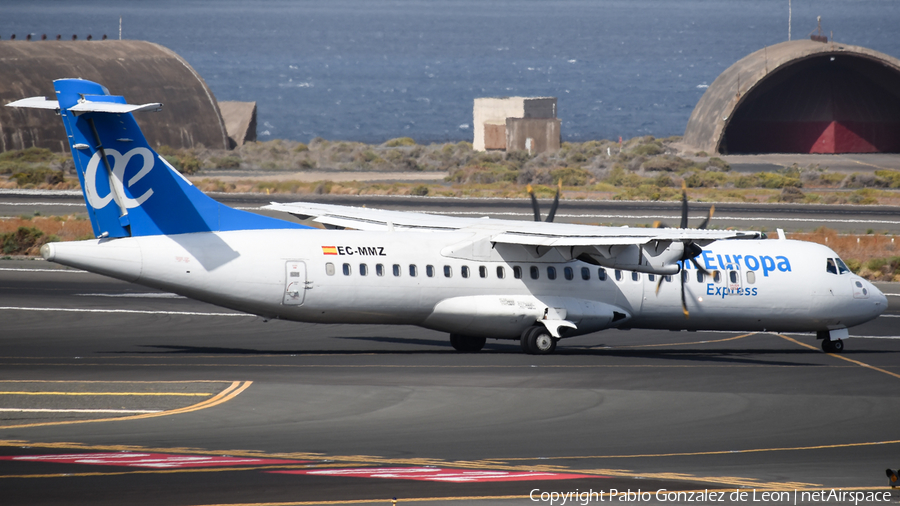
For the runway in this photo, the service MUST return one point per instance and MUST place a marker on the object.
(112, 393)
(767, 217)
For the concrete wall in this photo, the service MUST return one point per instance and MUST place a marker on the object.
(544, 134)
(240, 121)
(140, 71)
(495, 111)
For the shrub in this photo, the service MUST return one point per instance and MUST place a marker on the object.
(718, 163)
(226, 162)
(570, 176)
(649, 149)
(22, 240)
(704, 179)
(39, 175)
(400, 141)
(420, 190)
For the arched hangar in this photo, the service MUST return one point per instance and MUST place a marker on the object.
(140, 71)
(801, 97)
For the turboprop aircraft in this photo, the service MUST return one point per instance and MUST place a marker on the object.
(535, 282)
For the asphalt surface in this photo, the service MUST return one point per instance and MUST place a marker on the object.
(767, 217)
(112, 393)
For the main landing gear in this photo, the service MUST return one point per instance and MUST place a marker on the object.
(467, 344)
(537, 340)
(829, 346)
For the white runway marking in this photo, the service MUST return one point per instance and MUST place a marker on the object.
(42, 204)
(125, 311)
(133, 295)
(124, 411)
(41, 270)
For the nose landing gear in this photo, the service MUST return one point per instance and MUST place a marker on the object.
(829, 346)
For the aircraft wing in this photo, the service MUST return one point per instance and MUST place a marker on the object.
(363, 218)
(536, 236)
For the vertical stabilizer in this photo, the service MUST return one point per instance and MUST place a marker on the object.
(129, 189)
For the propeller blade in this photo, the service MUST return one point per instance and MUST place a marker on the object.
(709, 216)
(534, 204)
(555, 202)
(684, 308)
(659, 284)
(701, 269)
(684, 206)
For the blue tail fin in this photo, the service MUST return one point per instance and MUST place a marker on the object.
(130, 190)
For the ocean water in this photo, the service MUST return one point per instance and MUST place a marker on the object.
(371, 70)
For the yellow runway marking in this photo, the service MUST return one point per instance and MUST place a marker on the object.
(107, 393)
(835, 355)
(226, 395)
(673, 344)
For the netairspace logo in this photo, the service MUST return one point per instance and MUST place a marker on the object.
(836, 496)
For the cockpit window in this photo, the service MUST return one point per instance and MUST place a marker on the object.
(830, 266)
(842, 267)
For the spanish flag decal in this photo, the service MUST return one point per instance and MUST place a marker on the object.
(329, 250)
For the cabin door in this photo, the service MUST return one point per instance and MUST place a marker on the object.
(295, 283)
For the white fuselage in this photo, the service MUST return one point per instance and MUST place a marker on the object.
(463, 284)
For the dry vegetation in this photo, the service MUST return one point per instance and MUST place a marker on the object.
(643, 168)
(26, 235)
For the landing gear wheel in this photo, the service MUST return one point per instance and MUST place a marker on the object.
(538, 341)
(467, 344)
(832, 346)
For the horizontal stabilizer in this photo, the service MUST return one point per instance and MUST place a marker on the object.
(84, 106)
(35, 103)
(112, 107)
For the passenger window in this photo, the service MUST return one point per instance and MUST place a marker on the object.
(517, 272)
(700, 276)
(379, 269)
(346, 269)
(413, 270)
(429, 271)
(363, 270)
(448, 272)
(684, 276)
(717, 276)
(585, 273)
(668, 279)
(830, 266)
(618, 275)
(482, 271)
(601, 274)
(501, 272)
(396, 269)
(635, 276)
(569, 273)
(651, 277)
(464, 271)
(329, 269)
(751, 277)
(733, 276)
(551, 272)
(535, 272)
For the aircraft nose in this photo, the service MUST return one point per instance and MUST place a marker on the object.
(876, 296)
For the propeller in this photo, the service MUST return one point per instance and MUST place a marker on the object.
(691, 249)
(537, 209)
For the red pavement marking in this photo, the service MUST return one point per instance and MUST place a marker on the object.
(152, 460)
(436, 474)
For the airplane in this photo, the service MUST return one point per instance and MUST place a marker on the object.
(474, 278)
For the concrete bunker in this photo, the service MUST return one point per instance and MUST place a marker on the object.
(140, 71)
(801, 97)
